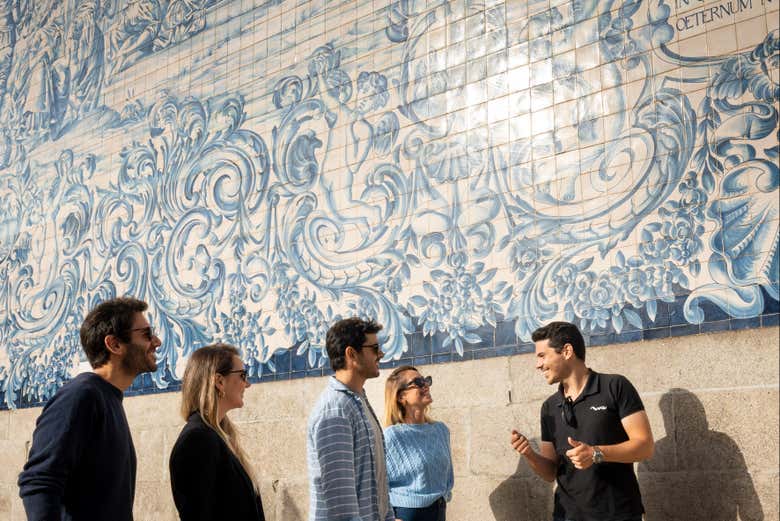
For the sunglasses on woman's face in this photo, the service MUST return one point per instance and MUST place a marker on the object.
(241, 373)
(418, 382)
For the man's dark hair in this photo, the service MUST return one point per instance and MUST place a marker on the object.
(112, 317)
(559, 334)
(349, 332)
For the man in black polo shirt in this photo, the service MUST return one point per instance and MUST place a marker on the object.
(593, 430)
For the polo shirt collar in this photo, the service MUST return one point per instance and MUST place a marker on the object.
(592, 386)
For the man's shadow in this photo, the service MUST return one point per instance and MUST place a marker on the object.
(288, 510)
(523, 496)
(696, 474)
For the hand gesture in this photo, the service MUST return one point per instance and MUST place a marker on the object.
(581, 455)
(520, 443)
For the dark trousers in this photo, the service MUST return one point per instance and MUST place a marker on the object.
(436, 512)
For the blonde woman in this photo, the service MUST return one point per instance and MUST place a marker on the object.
(210, 475)
(419, 462)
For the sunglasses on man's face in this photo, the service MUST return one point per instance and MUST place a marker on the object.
(374, 347)
(148, 332)
(418, 382)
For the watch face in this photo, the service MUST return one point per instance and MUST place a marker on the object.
(598, 456)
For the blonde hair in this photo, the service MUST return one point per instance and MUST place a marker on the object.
(394, 411)
(199, 394)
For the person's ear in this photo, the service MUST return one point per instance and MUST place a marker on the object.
(112, 345)
(350, 355)
(568, 351)
(219, 383)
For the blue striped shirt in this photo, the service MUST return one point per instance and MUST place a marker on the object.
(341, 459)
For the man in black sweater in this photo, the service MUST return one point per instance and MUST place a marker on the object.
(82, 461)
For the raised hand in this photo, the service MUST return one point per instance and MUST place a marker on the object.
(520, 443)
(581, 454)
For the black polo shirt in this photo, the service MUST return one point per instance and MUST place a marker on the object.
(603, 492)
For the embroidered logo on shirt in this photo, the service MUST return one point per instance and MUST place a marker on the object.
(599, 408)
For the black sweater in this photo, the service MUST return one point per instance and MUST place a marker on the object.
(82, 461)
(208, 481)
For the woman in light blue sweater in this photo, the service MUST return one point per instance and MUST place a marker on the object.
(419, 462)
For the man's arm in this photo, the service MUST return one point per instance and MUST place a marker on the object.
(638, 447)
(335, 450)
(56, 447)
(544, 463)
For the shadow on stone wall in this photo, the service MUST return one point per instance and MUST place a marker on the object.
(287, 509)
(696, 474)
(522, 496)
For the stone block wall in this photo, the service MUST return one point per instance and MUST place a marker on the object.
(712, 401)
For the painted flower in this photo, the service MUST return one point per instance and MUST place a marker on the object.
(304, 322)
(685, 235)
(693, 198)
(392, 285)
(653, 248)
(564, 280)
(307, 322)
(526, 258)
(664, 277)
(247, 330)
(595, 298)
(460, 302)
(636, 286)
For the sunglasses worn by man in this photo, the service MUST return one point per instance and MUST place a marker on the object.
(567, 413)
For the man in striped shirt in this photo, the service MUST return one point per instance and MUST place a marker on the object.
(344, 446)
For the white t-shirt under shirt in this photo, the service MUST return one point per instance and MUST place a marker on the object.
(379, 459)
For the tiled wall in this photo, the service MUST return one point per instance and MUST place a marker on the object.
(462, 171)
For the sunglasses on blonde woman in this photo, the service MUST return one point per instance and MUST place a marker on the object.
(241, 373)
(418, 382)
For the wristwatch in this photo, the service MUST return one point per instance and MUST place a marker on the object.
(598, 456)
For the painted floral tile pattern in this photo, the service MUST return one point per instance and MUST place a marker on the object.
(462, 171)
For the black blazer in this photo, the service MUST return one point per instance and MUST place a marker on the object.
(208, 481)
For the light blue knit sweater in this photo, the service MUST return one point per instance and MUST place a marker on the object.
(419, 464)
